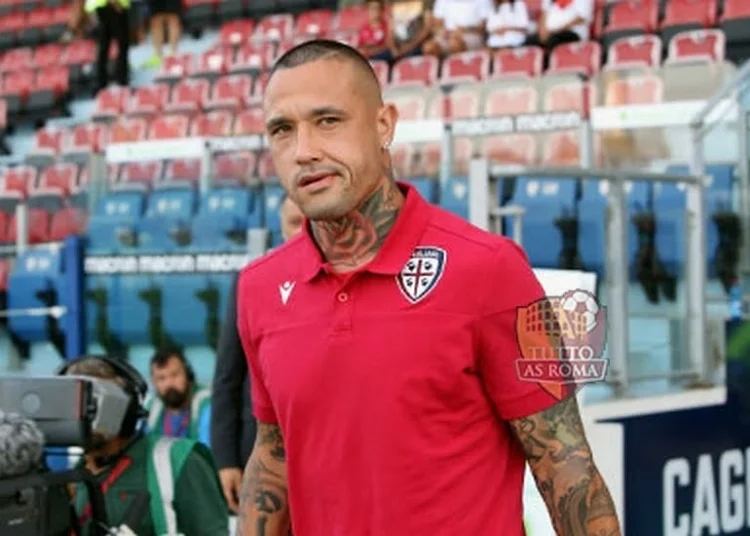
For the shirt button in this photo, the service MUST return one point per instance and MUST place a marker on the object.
(343, 297)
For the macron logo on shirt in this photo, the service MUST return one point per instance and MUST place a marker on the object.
(285, 289)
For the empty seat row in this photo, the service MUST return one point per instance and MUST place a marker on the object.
(65, 177)
(39, 25)
(74, 55)
(32, 91)
(43, 225)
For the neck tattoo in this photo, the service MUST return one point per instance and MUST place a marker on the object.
(354, 240)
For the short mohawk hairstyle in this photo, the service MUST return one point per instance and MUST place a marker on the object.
(319, 49)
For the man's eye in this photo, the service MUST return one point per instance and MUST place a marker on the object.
(279, 130)
(329, 120)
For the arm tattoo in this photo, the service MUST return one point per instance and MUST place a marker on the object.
(353, 239)
(561, 461)
(263, 496)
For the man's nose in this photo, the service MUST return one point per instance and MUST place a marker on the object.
(307, 149)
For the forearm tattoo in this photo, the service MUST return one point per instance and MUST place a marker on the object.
(561, 461)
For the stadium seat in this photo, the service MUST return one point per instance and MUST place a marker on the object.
(638, 51)
(230, 93)
(510, 100)
(169, 126)
(522, 61)
(734, 23)
(38, 221)
(214, 62)
(9, 201)
(253, 58)
(576, 58)
(223, 218)
(183, 169)
(20, 179)
(145, 173)
(128, 129)
(4, 272)
(84, 141)
(471, 66)
(110, 103)
(61, 176)
(411, 105)
(50, 199)
(15, 90)
(10, 26)
(631, 18)
(562, 148)
(592, 233)
(569, 96)
(198, 14)
(169, 209)
(403, 160)
(697, 45)
(454, 196)
(347, 37)
(415, 71)
(77, 56)
(685, 15)
(236, 32)
(511, 149)
(60, 20)
(272, 195)
(46, 148)
(352, 18)
(174, 68)
(264, 169)
(227, 10)
(179, 292)
(216, 123)
(17, 59)
(428, 164)
(36, 22)
(128, 314)
(47, 55)
(382, 71)
(147, 101)
(545, 201)
(461, 103)
(117, 211)
(35, 272)
(259, 87)
(634, 89)
(51, 86)
(249, 122)
(188, 96)
(274, 28)
(314, 23)
(233, 168)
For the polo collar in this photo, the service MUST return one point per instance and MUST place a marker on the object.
(408, 229)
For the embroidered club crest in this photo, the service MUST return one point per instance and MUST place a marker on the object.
(421, 272)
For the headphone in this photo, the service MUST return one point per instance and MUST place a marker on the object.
(135, 386)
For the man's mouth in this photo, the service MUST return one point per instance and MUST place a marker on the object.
(307, 180)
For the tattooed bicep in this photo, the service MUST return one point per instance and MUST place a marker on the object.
(269, 438)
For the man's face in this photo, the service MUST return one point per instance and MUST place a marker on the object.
(326, 129)
(171, 382)
(375, 12)
(291, 219)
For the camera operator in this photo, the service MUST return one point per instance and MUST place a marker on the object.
(178, 474)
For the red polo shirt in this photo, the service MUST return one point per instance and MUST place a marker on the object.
(390, 384)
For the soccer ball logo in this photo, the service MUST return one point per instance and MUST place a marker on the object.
(581, 311)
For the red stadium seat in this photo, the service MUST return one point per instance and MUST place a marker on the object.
(39, 221)
(562, 149)
(683, 15)
(60, 21)
(697, 45)
(462, 103)
(233, 167)
(315, 23)
(382, 71)
(17, 59)
(348, 37)
(149, 100)
(184, 169)
(84, 141)
(128, 129)
(21, 179)
(466, 67)
(253, 58)
(403, 160)
(249, 122)
(410, 105)
(581, 58)
(61, 176)
(77, 55)
(523, 61)
(569, 97)
(217, 123)
(735, 21)
(279, 27)
(4, 222)
(512, 100)
(16, 88)
(69, 221)
(36, 22)
(230, 92)
(188, 96)
(175, 67)
(735, 9)
(214, 62)
(415, 71)
(265, 170)
(352, 18)
(47, 145)
(259, 87)
(511, 149)
(169, 126)
(633, 90)
(10, 26)
(47, 55)
(428, 163)
(236, 32)
(631, 18)
(111, 102)
(635, 51)
(4, 265)
(146, 173)
(52, 84)
(113, 175)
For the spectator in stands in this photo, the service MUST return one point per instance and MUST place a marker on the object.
(113, 17)
(165, 15)
(374, 39)
(181, 407)
(563, 21)
(126, 464)
(458, 26)
(508, 24)
(233, 425)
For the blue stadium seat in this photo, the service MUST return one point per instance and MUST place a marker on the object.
(592, 233)
(180, 294)
(169, 209)
(128, 314)
(35, 271)
(545, 200)
(454, 196)
(226, 213)
(273, 194)
(117, 211)
(223, 282)
(428, 188)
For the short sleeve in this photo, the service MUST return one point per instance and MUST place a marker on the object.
(514, 286)
(261, 400)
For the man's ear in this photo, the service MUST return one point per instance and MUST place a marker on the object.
(387, 119)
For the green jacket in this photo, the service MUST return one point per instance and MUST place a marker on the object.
(186, 496)
(92, 5)
(200, 404)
